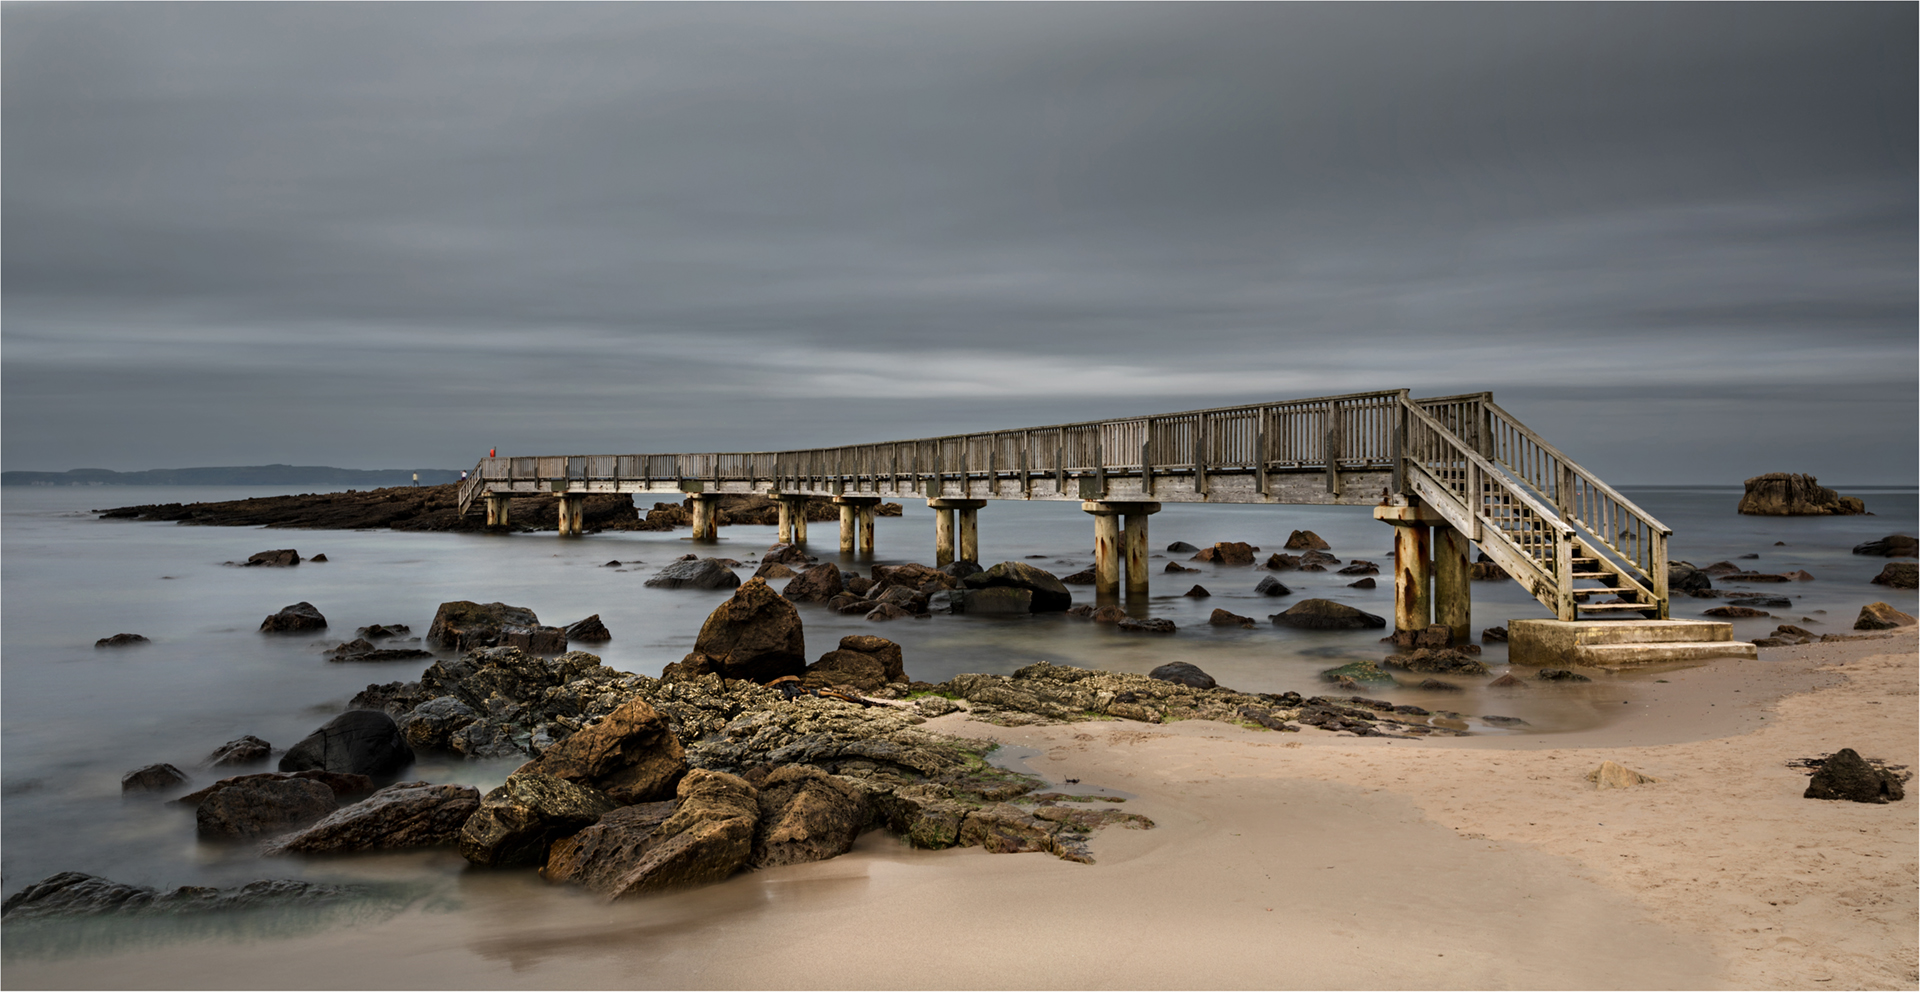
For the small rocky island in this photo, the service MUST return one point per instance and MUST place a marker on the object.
(1787, 494)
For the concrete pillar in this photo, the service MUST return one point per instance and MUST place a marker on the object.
(969, 533)
(1112, 547)
(945, 524)
(800, 523)
(848, 513)
(1106, 553)
(706, 525)
(563, 510)
(497, 509)
(786, 521)
(942, 536)
(1412, 563)
(1136, 552)
(1452, 583)
(856, 522)
(866, 531)
(579, 513)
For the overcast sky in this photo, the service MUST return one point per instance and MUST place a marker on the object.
(1678, 240)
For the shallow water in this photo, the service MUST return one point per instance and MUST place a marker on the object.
(76, 718)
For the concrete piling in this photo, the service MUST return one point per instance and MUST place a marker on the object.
(1452, 583)
(1412, 563)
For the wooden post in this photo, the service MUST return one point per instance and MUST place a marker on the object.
(1412, 563)
(1106, 550)
(848, 527)
(866, 530)
(969, 533)
(800, 522)
(1136, 542)
(942, 535)
(786, 520)
(1452, 583)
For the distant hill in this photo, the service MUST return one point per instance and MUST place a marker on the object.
(235, 475)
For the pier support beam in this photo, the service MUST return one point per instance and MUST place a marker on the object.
(1412, 563)
(944, 527)
(866, 531)
(571, 509)
(497, 510)
(1112, 546)
(856, 522)
(793, 518)
(1452, 583)
(706, 525)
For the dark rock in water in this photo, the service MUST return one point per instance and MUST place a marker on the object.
(1778, 602)
(1756, 577)
(356, 646)
(295, 618)
(1107, 614)
(961, 568)
(708, 837)
(783, 554)
(705, 573)
(274, 559)
(631, 755)
(1086, 576)
(1485, 571)
(1891, 546)
(125, 640)
(612, 564)
(1222, 618)
(1197, 592)
(1050, 595)
(1325, 614)
(1508, 681)
(382, 631)
(1749, 556)
(1367, 583)
(318, 558)
(1226, 553)
(1282, 563)
(755, 635)
(774, 570)
(1305, 540)
(1157, 625)
(1433, 636)
(1271, 586)
(1361, 568)
(1506, 721)
(1002, 600)
(340, 785)
(431, 725)
(1493, 634)
(462, 625)
(72, 893)
(847, 602)
(1785, 494)
(408, 814)
(152, 778)
(517, 822)
(360, 651)
(1172, 566)
(887, 611)
(590, 630)
(861, 662)
(392, 698)
(1438, 660)
(859, 585)
(1881, 616)
(1897, 575)
(1435, 685)
(536, 639)
(1184, 674)
(1357, 671)
(248, 750)
(1084, 610)
(257, 805)
(358, 742)
(1735, 612)
(1317, 558)
(815, 585)
(1682, 577)
(1181, 546)
(1561, 675)
(1846, 775)
(805, 815)
(1720, 568)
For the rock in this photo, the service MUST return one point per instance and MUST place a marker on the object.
(1172, 566)
(913, 575)
(774, 570)
(1438, 660)
(1432, 636)
(340, 784)
(1561, 675)
(399, 816)
(786, 554)
(1357, 671)
(1086, 577)
(247, 750)
(1197, 592)
(274, 559)
(1050, 595)
(1493, 634)
(1226, 553)
(517, 822)
(127, 640)
(1846, 775)
(815, 585)
(1222, 618)
(1616, 776)
(76, 894)
(704, 573)
(590, 630)
(1185, 674)
(1777, 602)
(1891, 546)
(463, 626)
(1002, 600)
(318, 558)
(1682, 577)
(1801, 576)
(961, 568)
(255, 805)
(1181, 547)
(431, 725)
(1508, 681)
(1305, 540)
(1735, 612)
(708, 837)
(755, 635)
(805, 815)
(1506, 721)
(1156, 625)
(862, 662)
(357, 742)
(383, 631)
(1271, 586)
(152, 778)
(1325, 614)
(295, 618)
(1107, 614)
(1897, 575)
(1783, 494)
(887, 611)
(858, 585)
(1362, 584)
(1282, 563)
(1757, 577)
(1359, 567)
(1435, 685)
(630, 755)
(1720, 568)
(1881, 616)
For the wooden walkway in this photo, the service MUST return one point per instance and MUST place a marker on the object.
(1459, 469)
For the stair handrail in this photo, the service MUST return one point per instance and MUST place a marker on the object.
(471, 487)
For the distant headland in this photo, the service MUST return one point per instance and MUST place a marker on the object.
(235, 475)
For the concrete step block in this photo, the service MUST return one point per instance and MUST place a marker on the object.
(1618, 656)
(1554, 642)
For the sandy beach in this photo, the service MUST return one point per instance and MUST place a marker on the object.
(1309, 860)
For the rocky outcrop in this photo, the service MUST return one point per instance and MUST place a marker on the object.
(1003, 600)
(410, 814)
(1325, 614)
(294, 619)
(1784, 494)
(1306, 540)
(517, 822)
(1050, 595)
(1149, 625)
(1881, 616)
(1683, 577)
(362, 650)
(1271, 586)
(1844, 775)
(630, 755)
(815, 585)
(247, 750)
(708, 837)
(805, 815)
(756, 635)
(463, 625)
(254, 806)
(342, 786)
(1184, 674)
(431, 725)
(861, 662)
(120, 641)
(1224, 618)
(1437, 661)
(1891, 546)
(701, 573)
(409, 508)
(357, 742)
(76, 894)
(1897, 575)
(152, 778)
(588, 631)
(1227, 553)
(282, 558)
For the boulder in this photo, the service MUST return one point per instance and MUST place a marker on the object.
(631, 755)
(1846, 775)
(1282, 563)
(1107, 614)
(806, 815)
(247, 750)
(294, 619)
(961, 568)
(1086, 576)
(1226, 553)
(1172, 566)
(1777, 602)
(341, 785)
(707, 836)
(1050, 595)
(785, 554)
(1222, 618)
(1561, 675)
(1312, 558)
(1508, 681)
(382, 631)
(1493, 635)
(858, 585)
(1437, 635)
(1001, 600)
(755, 635)
(431, 725)
(1181, 547)
(357, 742)
(1325, 614)
(412, 814)
(152, 778)
(1720, 568)
(1358, 567)
(1735, 612)
(703, 573)
(70, 894)
(1897, 575)
(1785, 494)
(1366, 583)
(1438, 661)
(1891, 546)
(318, 558)
(1197, 592)
(463, 626)
(1185, 674)
(517, 822)
(1306, 540)
(1611, 775)
(815, 585)
(1881, 616)
(127, 640)
(1156, 625)
(913, 575)
(887, 611)
(1271, 586)
(589, 630)
(1356, 672)
(861, 662)
(774, 570)
(274, 559)
(262, 804)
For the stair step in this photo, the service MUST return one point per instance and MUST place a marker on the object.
(1585, 607)
(1617, 656)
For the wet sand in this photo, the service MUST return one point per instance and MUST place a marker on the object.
(1308, 860)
